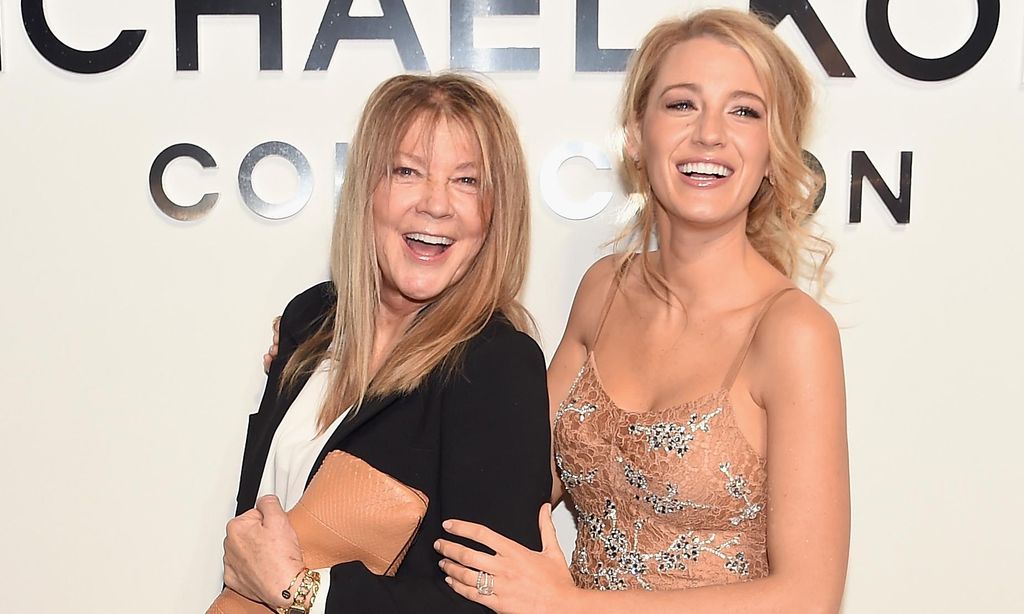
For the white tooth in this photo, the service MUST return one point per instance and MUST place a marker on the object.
(432, 239)
(706, 168)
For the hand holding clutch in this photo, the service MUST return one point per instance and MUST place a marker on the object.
(261, 552)
(350, 512)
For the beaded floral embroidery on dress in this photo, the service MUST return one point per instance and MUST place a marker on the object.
(670, 498)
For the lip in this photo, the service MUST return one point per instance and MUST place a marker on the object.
(704, 183)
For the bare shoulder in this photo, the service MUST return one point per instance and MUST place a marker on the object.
(598, 278)
(796, 348)
(796, 319)
(590, 298)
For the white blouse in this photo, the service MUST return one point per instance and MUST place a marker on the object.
(294, 449)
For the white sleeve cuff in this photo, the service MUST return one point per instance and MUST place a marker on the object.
(320, 605)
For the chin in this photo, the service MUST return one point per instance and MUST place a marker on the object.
(707, 213)
(423, 292)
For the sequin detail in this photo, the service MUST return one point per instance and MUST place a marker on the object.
(737, 488)
(582, 411)
(570, 404)
(672, 436)
(625, 562)
(571, 480)
(661, 504)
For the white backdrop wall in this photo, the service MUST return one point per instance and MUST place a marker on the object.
(131, 342)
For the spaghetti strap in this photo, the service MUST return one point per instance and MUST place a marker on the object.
(612, 290)
(734, 370)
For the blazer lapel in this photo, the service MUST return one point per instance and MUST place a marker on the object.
(257, 445)
(370, 408)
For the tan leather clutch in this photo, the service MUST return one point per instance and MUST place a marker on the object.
(349, 512)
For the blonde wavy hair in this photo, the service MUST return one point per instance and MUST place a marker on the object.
(778, 214)
(438, 334)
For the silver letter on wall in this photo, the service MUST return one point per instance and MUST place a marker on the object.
(464, 55)
(184, 213)
(862, 168)
(266, 209)
(394, 24)
(186, 27)
(64, 56)
(551, 191)
(590, 57)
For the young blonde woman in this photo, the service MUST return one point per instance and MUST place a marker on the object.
(413, 357)
(698, 396)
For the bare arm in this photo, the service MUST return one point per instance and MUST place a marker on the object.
(574, 346)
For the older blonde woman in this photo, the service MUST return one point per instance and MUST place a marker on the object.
(707, 462)
(414, 357)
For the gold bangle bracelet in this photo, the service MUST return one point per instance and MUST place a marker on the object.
(305, 593)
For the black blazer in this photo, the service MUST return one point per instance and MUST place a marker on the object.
(476, 443)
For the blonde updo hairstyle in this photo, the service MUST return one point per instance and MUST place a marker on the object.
(777, 215)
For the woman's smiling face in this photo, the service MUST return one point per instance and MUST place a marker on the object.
(428, 216)
(703, 138)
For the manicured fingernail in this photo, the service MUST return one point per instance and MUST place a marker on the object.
(448, 580)
(447, 524)
(441, 563)
(437, 545)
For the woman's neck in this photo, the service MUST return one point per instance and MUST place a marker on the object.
(705, 265)
(392, 319)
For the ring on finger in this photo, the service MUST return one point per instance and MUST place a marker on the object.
(484, 583)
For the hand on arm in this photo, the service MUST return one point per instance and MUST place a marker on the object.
(268, 358)
(525, 580)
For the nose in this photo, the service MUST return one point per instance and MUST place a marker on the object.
(709, 130)
(436, 201)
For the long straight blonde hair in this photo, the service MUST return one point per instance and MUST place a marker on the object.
(779, 211)
(439, 332)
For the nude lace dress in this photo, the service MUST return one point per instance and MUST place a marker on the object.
(665, 499)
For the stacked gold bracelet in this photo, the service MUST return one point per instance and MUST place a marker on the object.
(305, 593)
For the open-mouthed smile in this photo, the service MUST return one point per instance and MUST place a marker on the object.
(426, 246)
(704, 174)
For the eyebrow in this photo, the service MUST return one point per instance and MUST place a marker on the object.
(696, 88)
